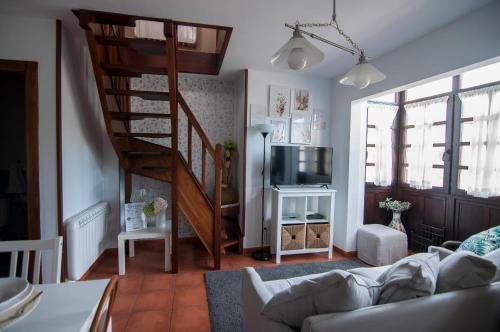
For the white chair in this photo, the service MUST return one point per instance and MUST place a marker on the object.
(14, 247)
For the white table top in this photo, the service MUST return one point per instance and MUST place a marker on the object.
(64, 307)
(150, 232)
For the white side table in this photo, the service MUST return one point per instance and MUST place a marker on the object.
(150, 233)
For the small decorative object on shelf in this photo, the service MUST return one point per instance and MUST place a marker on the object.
(155, 212)
(396, 207)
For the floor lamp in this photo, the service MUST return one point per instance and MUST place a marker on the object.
(263, 255)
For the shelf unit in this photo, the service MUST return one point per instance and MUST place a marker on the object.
(290, 206)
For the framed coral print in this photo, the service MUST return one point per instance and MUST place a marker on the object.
(301, 100)
(301, 128)
(280, 130)
(279, 101)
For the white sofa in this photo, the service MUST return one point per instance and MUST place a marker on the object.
(470, 310)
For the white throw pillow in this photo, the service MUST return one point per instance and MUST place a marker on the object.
(409, 278)
(334, 291)
(462, 270)
(494, 256)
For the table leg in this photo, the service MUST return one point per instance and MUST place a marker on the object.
(121, 257)
(167, 253)
(131, 248)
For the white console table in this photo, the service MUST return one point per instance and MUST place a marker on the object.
(291, 207)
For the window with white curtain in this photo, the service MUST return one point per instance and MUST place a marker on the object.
(479, 170)
(379, 145)
(424, 137)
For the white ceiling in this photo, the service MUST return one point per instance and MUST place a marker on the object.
(379, 26)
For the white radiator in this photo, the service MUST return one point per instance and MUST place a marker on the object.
(85, 238)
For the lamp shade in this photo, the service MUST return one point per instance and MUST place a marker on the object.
(263, 128)
(298, 53)
(362, 74)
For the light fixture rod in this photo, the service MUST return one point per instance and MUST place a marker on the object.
(313, 36)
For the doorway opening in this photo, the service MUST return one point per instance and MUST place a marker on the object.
(19, 190)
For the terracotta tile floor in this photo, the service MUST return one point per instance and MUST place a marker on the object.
(149, 299)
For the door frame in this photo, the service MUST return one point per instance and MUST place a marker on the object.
(30, 70)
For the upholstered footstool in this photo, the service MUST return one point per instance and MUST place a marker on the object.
(381, 245)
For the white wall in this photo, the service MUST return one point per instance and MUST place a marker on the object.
(90, 165)
(31, 39)
(469, 40)
(239, 134)
(258, 93)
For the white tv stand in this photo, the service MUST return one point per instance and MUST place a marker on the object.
(290, 208)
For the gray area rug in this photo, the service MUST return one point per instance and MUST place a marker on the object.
(224, 289)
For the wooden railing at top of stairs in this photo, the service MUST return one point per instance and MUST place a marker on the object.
(187, 193)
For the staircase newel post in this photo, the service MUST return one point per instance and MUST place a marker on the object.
(217, 205)
(171, 48)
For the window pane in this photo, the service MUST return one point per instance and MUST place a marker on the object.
(370, 136)
(370, 174)
(389, 98)
(437, 175)
(479, 76)
(463, 179)
(464, 156)
(430, 89)
(438, 134)
(437, 155)
(410, 136)
(370, 155)
(466, 131)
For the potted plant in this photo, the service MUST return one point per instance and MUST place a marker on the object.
(156, 212)
(396, 207)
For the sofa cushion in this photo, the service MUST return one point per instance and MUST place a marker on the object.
(494, 256)
(463, 270)
(410, 277)
(370, 272)
(276, 286)
(334, 291)
(483, 242)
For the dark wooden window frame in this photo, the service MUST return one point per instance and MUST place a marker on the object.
(30, 71)
(452, 141)
(395, 144)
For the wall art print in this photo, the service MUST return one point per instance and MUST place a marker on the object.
(301, 128)
(301, 100)
(280, 130)
(257, 114)
(279, 101)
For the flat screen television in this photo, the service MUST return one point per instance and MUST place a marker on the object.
(301, 165)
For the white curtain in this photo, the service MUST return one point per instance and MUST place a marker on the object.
(419, 157)
(382, 117)
(483, 176)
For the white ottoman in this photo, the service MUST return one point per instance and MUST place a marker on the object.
(381, 245)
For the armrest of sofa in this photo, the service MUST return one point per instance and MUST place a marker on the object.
(442, 252)
(254, 296)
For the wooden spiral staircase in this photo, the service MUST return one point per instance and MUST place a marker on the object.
(118, 55)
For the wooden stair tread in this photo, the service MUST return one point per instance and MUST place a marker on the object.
(146, 153)
(132, 71)
(148, 95)
(157, 168)
(125, 116)
(229, 242)
(147, 135)
(141, 45)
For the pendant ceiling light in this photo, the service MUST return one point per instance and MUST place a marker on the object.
(298, 53)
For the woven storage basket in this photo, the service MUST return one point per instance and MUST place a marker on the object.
(318, 235)
(292, 237)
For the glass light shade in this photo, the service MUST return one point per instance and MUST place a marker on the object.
(362, 74)
(263, 128)
(298, 53)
